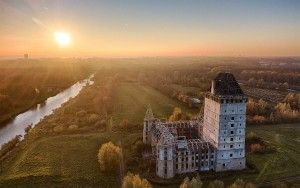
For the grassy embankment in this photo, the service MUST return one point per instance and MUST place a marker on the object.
(70, 160)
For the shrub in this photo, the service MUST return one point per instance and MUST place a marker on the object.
(194, 183)
(177, 114)
(216, 184)
(109, 157)
(134, 181)
(239, 183)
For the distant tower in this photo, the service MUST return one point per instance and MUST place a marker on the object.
(225, 122)
(148, 123)
(25, 56)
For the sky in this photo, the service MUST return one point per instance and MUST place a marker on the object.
(144, 28)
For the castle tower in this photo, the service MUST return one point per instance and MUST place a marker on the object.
(148, 123)
(225, 122)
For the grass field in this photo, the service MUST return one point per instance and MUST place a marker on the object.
(65, 160)
(71, 160)
(132, 100)
(286, 160)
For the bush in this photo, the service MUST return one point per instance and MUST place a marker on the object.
(257, 148)
(134, 181)
(93, 118)
(194, 183)
(216, 184)
(239, 183)
(177, 114)
(109, 157)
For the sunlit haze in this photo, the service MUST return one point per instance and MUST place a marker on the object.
(149, 28)
(62, 38)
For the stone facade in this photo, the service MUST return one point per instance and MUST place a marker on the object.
(214, 142)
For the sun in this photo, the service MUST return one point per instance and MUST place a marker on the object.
(62, 38)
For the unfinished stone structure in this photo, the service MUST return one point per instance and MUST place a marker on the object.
(214, 142)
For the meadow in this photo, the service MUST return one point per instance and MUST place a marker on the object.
(70, 159)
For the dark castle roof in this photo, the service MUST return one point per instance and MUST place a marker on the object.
(226, 84)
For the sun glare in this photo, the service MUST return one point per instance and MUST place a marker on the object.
(62, 38)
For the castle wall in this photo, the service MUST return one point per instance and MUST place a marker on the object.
(165, 162)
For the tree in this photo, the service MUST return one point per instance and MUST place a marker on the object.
(239, 183)
(177, 114)
(216, 184)
(109, 157)
(194, 183)
(134, 181)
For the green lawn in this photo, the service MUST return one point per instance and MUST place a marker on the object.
(66, 160)
(132, 100)
(188, 89)
(286, 160)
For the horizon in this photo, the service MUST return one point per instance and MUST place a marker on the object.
(149, 29)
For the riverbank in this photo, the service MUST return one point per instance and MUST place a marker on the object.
(33, 116)
(24, 85)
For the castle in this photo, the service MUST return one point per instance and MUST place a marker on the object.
(214, 142)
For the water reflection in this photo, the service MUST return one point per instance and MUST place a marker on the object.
(33, 116)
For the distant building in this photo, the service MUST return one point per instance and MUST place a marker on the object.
(214, 142)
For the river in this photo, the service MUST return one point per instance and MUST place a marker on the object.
(33, 116)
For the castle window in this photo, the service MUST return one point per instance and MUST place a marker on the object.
(230, 155)
(231, 132)
(186, 166)
(165, 171)
(224, 146)
(224, 139)
(232, 125)
(176, 166)
(231, 139)
(224, 165)
(225, 118)
(241, 100)
(231, 146)
(212, 156)
(211, 163)
(232, 118)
